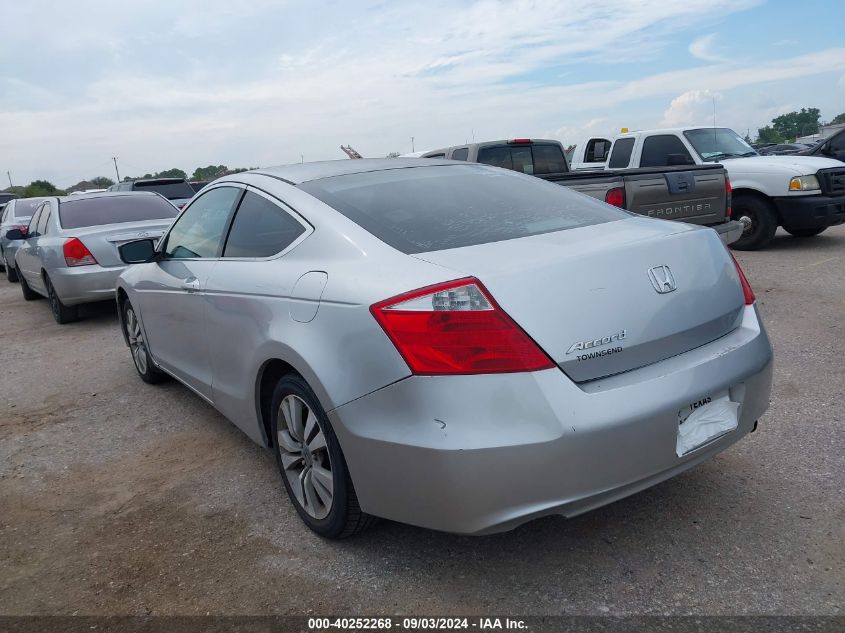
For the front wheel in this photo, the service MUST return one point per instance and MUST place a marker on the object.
(61, 313)
(148, 372)
(758, 219)
(311, 463)
(805, 232)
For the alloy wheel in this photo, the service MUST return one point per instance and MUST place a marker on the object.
(305, 456)
(137, 345)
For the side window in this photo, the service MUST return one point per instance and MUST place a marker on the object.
(199, 230)
(460, 154)
(657, 150)
(45, 217)
(439, 155)
(261, 228)
(597, 150)
(621, 155)
(836, 146)
(32, 229)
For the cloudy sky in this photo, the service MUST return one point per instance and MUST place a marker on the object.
(263, 82)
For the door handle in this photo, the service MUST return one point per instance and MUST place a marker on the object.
(191, 284)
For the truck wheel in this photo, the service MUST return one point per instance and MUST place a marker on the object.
(759, 219)
(805, 232)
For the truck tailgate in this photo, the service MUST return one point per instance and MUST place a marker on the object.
(689, 195)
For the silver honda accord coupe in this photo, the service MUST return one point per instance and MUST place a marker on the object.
(68, 251)
(454, 346)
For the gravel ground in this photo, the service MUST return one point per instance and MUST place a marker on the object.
(118, 497)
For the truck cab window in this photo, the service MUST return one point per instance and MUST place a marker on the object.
(621, 154)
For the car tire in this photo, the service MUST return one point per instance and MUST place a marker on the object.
(11, 273)
(61, 313)
(309, 456)
(759, 219)
(805, 232)
(28, 293)
(134, 333)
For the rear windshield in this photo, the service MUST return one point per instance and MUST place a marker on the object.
(533, 158)
(421, 209)
(23, 209)
(170, 190)
(74, 214)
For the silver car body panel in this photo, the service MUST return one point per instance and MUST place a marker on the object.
(479, 453)
(11, 218)
(44, 255)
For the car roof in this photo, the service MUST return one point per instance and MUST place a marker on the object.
(107, 194)
(305, 172)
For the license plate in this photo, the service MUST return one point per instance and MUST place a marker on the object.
(704, 420)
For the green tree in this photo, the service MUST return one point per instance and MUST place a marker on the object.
(102, 182)
(41, 188)
(171, 173)
(393, 155)
(794, 124)
(769, 135)
(747, 139)
(839, 118)
(209, 173)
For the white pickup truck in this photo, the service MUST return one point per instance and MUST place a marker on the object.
(803, 194)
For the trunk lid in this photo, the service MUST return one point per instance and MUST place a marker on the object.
(104, 240)
(583, 292)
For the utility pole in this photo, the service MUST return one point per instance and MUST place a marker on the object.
(9, 174)
(412, 145)
(116, 173)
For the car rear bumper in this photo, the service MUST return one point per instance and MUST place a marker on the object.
(729, 232)
(481, 454)
(811, 212)
(85, 284)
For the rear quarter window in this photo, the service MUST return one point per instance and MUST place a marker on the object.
(74, 214)
(439, 207)
(171, 191)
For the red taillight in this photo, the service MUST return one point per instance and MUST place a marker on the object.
(747, 292)
(519, 141)
(457, 328)
(77, 254)
(728, 210)
(616, 197)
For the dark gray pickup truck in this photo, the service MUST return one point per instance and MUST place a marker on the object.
(697, 194)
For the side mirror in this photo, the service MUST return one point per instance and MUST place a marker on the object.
(673, 160)
(16, 234)
(138, 251)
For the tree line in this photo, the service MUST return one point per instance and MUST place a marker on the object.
(40, 188)
(787, 127)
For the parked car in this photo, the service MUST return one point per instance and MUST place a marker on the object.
(196, 185)
(833, 147)
(69, 250)
(531, 352)
(803, 194)
(177, 190)
(15, 215)
(5, 197)
(783, 149)
(698, 195)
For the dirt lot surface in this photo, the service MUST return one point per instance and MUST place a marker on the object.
(117, 497)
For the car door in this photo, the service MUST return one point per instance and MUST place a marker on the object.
(172, 298)
(26, 258)
(252, 298)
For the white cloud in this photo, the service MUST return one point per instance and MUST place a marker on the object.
(704, 48)
(690, 108)
(290, 78)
